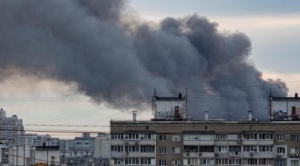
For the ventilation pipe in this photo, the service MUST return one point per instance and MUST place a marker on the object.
(296, 95)
(134, 115)
(250, 115)
(206, 115)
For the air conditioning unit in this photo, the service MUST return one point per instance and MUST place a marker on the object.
(200, 154)
(296, 155)
(136, 142)
(216, 154)
(239, 141)
(187, 154)
(252, 154)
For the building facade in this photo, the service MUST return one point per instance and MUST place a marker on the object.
(11, 128)
(171, 140)
(86, 150)
(174, 143)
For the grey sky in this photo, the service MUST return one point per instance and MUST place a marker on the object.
(272, 26)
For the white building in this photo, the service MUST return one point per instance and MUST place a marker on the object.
(39, 140)
(11, 128)
(20, 155)
(85, 149)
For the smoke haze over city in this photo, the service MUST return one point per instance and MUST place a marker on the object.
(111, 55)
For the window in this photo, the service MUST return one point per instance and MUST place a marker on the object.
(130, 161)
(280, 162)
(266, 136)
(206, 137)
(147, 148)
(280, 150)
(146, 136)
(235, 148)
(294, 150)
(145, 161)
(265, 148)
(176, 163)
(250, 162)
(190, 149)
(294, 162)
(175, 137)
(206, 149)
(162, 137)
(162, 162)
(162, 150)
(192, 161)
(117, 136)
(118, 161)
(117, 148)
(265, 161)
(294, 137)
(221, 149)
(131, 136)
(221, 136)
(250, 148)
(234, 161)
(233, 136)
(221, 161)
(207, 161)
(176, 150)
(280, 137)
(131, 148)
(250, 136)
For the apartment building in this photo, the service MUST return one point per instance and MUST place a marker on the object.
(11, 128)
(40, 140)
(176, 141)
(86, 150)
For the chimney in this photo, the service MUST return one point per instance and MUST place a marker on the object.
(250, 115)
(206, 115)
(296, 95)
(134, 115)
(180, 96)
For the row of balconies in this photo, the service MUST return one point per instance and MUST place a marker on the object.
(132, 154)
(210, 155)
(228, 142)
(239, 155)
(141, 142)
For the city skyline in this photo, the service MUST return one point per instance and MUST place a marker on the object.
(271, 27)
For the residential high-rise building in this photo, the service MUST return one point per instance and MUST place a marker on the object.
(11, 128)
(85, 149)
(174, 141)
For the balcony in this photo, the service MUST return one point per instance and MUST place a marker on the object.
(234, 154)
(147, 142)
(117, 142)
(294, 155)
(199, 142)
(117, 154)
(258, 142)
(147, 154)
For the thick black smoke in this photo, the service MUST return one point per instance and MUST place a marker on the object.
(89, 43)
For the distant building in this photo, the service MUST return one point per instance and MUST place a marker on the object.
(86, 149)
(178, 142)
(39, 140)
(11, 128)
(39, 155)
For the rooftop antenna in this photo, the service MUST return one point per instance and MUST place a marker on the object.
(270, 104)
(186, 103)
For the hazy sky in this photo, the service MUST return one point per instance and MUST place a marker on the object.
(272, 25)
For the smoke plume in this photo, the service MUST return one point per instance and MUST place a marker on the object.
(89, 43)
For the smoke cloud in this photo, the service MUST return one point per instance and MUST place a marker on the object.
(89, 43)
